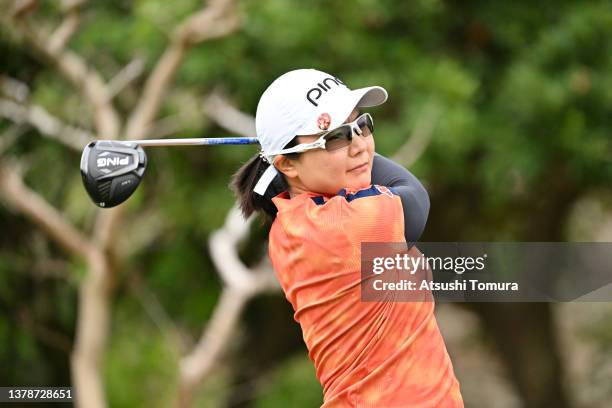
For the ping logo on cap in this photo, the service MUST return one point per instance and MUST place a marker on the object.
(324, 121)
(321, 87)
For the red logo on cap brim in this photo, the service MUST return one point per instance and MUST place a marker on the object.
(324, 121)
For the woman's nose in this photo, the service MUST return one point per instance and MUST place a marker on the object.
(358, 144)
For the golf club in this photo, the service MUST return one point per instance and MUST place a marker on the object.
(112, 169)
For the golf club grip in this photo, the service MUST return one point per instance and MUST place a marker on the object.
(193, 142)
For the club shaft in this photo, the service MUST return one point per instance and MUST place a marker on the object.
(194, 142)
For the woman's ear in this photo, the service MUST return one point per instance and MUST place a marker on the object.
(285, 166)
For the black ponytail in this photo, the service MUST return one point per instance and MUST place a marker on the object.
(244, 181)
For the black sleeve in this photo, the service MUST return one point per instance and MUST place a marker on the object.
(415, 199)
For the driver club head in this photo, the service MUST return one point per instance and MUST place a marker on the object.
(112, 170)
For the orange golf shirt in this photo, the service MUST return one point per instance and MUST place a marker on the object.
(366, 354)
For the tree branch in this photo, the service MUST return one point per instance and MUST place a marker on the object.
(233, 272)
(143, 229)
(92, 331)
(84, 79)
(216, 20)
(68, 5)
(64, 32)
(171, 332)
(94, 289)
(124, 77)
(165, 127)
(417, 143)
(14, 89)
(218, 108)
(28, 202)
(21, 8)
(241, 284)
(46, 124)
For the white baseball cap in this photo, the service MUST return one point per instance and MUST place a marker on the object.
(304, 102)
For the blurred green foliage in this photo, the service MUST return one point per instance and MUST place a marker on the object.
(525, 102)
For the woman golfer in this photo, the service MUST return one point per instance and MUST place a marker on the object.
(318, 177)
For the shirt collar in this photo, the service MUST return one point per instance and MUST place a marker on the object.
(282, 201)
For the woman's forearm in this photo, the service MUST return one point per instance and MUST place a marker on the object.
(415, 199)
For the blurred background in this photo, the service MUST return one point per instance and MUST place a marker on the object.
(502, 109)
